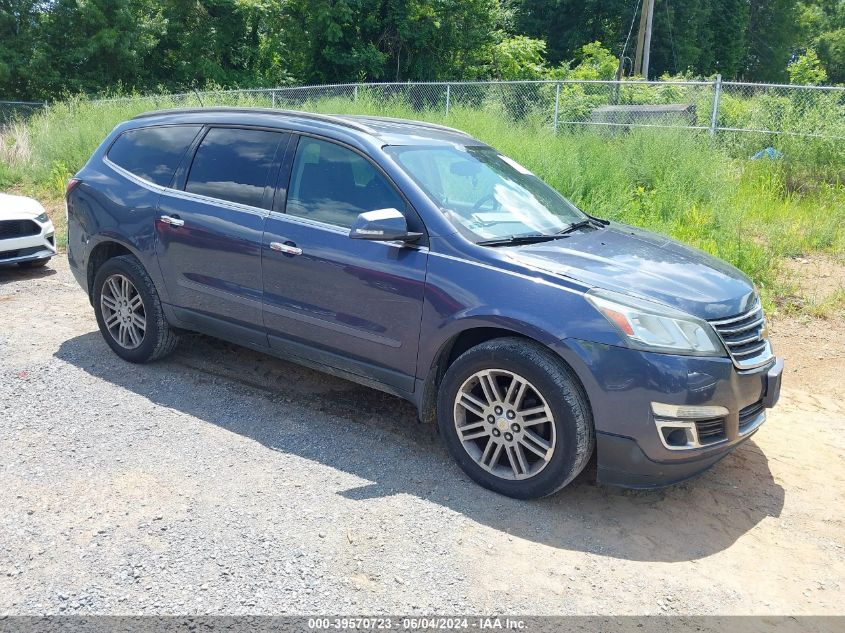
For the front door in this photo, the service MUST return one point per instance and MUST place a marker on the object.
(351, 304)
(209, 234)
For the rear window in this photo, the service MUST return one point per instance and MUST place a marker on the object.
(234, 164)
(153, 153)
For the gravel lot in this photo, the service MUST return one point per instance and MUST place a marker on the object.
(223, 481)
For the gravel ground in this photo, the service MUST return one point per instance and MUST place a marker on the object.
(223, 481)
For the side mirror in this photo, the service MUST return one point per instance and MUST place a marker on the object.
(384, 225)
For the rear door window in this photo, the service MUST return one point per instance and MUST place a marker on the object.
(234, 164)
(153, 153)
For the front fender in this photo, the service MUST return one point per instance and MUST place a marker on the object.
(462, 294)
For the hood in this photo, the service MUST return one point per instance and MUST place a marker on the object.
(19, 207)
(632, 261)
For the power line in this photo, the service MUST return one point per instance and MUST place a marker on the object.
(620, 71)
(631, 30)
(671, 37)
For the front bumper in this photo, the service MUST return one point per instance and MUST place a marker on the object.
(623, 385)
(28, 248)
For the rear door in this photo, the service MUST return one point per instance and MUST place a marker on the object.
(351, 304)
(209, 230)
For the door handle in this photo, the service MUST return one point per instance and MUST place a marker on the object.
(172, 221)
(287, 249)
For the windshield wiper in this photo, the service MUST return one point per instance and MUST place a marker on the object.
(515, 240)
(579, 225)
(537, 238)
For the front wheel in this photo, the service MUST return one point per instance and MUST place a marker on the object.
(129, 312)
(515, 418)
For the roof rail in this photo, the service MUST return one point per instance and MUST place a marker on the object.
(327, 118)
(433, 126)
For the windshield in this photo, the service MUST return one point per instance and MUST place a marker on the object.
(485, 195)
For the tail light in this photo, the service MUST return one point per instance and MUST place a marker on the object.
(71, 185)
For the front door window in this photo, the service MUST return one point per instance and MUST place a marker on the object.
(333, 184)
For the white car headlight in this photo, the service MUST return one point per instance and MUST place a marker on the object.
(655, 327)
(43, 218)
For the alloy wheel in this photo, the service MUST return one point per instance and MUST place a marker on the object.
(123, 311)
(505, 424)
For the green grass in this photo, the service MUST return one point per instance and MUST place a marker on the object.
(703, 192)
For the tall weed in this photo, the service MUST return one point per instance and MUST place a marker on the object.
(703, 192)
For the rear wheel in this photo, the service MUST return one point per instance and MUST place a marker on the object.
(515, 418)
(129, 312)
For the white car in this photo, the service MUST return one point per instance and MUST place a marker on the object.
(27, 236)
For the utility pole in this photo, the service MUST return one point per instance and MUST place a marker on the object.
(643, 56)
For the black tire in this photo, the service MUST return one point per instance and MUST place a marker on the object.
(158, 340)
(555, 382)
(35, 263)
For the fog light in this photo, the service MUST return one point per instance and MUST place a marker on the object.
(676, 437)
(683, 427)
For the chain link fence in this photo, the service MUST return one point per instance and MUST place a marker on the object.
(712, 106)
(11, 111)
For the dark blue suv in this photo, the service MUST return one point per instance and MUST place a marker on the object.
(417, 260)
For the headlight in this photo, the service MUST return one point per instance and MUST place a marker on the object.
(655, 327)
(42, 218)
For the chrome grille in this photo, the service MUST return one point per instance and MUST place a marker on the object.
(750, 415)
(744, 337)
(710, 431)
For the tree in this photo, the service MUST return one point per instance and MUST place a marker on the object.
(729, 23)
(698, 36)
(683, 37)
(831, 47)
(18, 34)
(807, 70)
(771, 39)
(822, 27)
(519, 57)
(595, 63)
(351, 40)
(207, 42)
(51, 46)
(342, 36)
(567, 25)
(87, 46)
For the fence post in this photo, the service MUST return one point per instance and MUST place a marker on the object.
(557, 104)
(448, 97)
(717, 97)
(355, 94)
(273, 92)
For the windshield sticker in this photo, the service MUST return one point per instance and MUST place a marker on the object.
(515, 165)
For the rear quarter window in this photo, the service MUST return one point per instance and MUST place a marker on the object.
(153, 153)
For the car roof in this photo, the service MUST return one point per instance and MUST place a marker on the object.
(389, 131)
